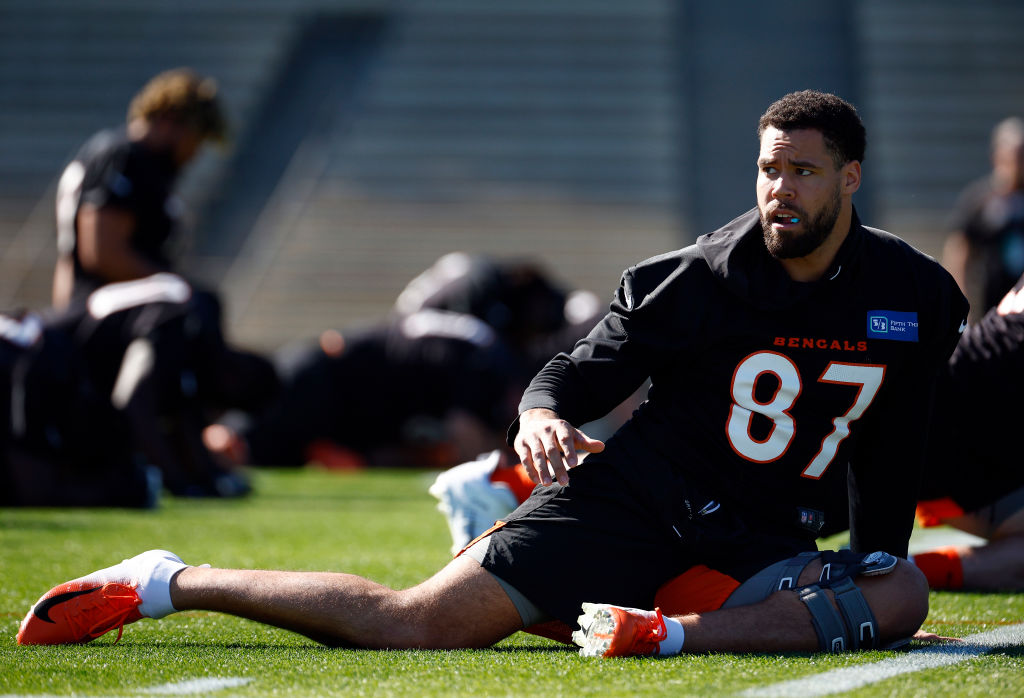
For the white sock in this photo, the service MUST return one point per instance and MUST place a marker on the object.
(673, 644)
(151, 572)
(154, 570)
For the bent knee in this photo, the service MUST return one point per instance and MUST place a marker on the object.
(899, 600)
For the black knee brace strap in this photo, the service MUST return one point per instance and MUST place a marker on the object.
(773, 578)
(853, 626)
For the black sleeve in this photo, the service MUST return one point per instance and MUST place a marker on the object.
(885, 472)
(103, 186)
(118, 178)
(625, 348)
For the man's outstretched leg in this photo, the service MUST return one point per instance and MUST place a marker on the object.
(461, 606)
(897, 604)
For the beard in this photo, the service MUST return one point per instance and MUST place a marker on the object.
(789, 245)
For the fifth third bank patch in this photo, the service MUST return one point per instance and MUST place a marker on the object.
(892, 324)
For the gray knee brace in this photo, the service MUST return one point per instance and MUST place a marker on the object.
(853, 626)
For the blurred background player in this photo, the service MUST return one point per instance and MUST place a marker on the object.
(116, 209)
(118, 217)
(985, 251)
(105, 400)
(974, 479)
(428, 389)
(533, 315)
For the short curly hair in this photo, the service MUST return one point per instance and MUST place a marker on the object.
(836, 119)
(185, 96)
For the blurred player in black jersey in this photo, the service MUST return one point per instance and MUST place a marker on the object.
(792, 354)
(117, 214)
(531, 314)
(105, 401)
(985, 250)
(432, 388)
(63, 441)
(974, 478)
(116, 209)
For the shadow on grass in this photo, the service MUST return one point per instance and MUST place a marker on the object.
(533, 649)
(313, 647)
(1015, 651)
(22, 524)
(214, 645)
(289, 499)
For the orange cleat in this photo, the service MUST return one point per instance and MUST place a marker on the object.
(614, 631)
(80, 611)
(85, 608)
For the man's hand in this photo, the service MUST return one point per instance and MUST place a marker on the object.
(547, 446)
(922, 636)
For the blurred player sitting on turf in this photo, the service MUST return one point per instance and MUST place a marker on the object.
(792, 355)
(974, 479)
(428, 389)
(117, 215)
(104, 400)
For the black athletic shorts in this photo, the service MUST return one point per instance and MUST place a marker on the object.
(598, 540)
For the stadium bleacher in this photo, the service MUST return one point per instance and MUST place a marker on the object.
(553, 127)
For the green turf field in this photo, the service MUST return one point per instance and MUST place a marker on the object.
(382, 524)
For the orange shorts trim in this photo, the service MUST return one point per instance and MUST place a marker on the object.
(697, 590)
(489, 531)
(933, 512)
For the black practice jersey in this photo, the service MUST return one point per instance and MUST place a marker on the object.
(433, 361)
(993, 224)
(112, 170)
(763, 388)
(392, 384)
(974, 454)
(516, 299)
(64, 380)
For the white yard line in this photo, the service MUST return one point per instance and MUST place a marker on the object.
(197, 686)
(849, 678)
(178, 688)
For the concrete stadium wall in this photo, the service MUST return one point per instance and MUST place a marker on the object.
(588, 132)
